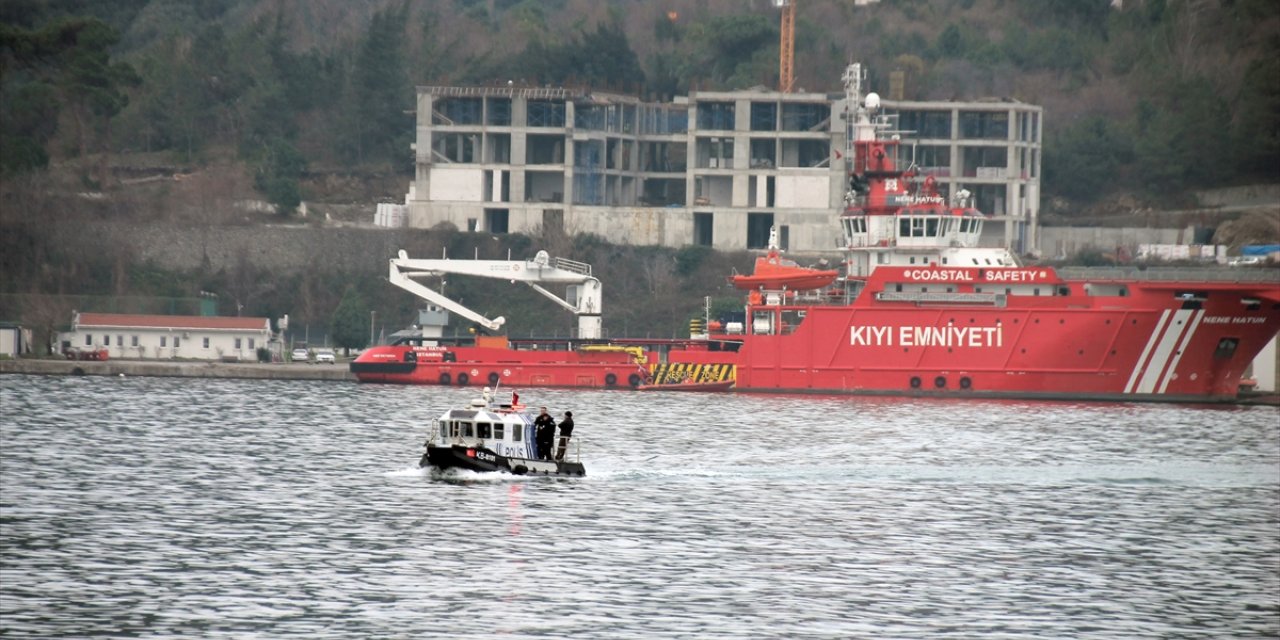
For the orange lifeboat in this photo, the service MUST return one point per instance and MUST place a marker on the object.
(774, 272)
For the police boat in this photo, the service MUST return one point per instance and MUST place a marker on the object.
(487, 436)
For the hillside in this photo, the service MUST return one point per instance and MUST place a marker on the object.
(1155, 98)
(182, 115)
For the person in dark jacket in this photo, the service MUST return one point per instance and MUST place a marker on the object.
(566, 432)
(546, 433)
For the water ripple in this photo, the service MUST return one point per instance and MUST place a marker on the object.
(175, 508)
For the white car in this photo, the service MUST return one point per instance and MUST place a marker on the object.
(299, 355)
(325, 357)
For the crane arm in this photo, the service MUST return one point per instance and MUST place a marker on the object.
(533, 272)
(405, 281)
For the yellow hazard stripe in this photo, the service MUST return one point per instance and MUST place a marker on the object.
(680, 372)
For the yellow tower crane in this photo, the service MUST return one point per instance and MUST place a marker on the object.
(787, 46)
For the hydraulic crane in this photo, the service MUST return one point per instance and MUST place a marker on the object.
(583, 299)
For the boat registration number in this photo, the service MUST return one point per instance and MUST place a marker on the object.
(486, 456)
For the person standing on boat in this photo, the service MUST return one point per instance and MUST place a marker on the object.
(566, 432)
(546, 433)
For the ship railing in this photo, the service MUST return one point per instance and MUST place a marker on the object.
(572, 265)
(1209, 274)
(941, 297)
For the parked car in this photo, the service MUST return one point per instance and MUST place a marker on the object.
(325, 357)
(300, 355)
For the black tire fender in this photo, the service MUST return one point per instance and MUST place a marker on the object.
(463, 379)
(635, 380)
(966, 383)
(915, 382)
(445, 379)
(940, 382)
(494, 377)
(610, 380)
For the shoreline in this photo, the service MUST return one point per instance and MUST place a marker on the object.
(183, 369)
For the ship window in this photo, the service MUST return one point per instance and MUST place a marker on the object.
(932, 227)
(454, 429)
(913, 259)
(898, 287)
(517, 433)
(975, 261)
(904, 227)
(917, 227)
(444, 429)
(498, 431)
(466, 430)
(1226, 348)
(483, 430)
(944, 261)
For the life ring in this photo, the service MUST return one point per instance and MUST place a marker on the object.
(494, 377)
(635, 380)
(915, 382)
(610, 379)
(965, 382)
(940, 382)
(445, 379)
(463, 379)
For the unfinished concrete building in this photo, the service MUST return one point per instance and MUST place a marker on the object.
(716, 168)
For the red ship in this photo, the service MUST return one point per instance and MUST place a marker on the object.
(918, 308)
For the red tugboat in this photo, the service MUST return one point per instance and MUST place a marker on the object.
(918, 308)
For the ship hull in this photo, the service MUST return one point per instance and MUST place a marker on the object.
(483, 460)
(1149, 345)
(1176, 341)
(478, 366)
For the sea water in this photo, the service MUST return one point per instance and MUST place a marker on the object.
(162, 507)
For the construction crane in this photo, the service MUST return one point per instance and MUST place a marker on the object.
(787, 46)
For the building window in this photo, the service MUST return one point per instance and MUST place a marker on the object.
(177, 342)
(758, 227)
(251, 344)
(237, 344)
(702, 226)
(985, 125)
(543, 113)
(764, 116)
(716, 116)
(496, 220)
(133, 341)
(162, 340)
(926, 124)
(206, 342)
(805, 117)
(119, 341)
(88, 340)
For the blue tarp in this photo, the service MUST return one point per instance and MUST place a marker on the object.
(1259, 249)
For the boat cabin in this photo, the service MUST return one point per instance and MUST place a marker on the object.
(502, 430)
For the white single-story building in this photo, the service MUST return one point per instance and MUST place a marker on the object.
(156, 337)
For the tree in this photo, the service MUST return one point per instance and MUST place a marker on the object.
(378, 93)
(347, 327)
(69, 58)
